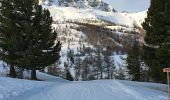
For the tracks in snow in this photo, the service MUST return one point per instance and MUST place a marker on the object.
(90, 90)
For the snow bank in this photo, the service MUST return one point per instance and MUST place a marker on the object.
(9, 88)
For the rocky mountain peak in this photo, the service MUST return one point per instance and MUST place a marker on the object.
(94, 4)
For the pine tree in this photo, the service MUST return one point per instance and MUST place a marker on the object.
(99, 60)
(108, 63)
(133, 59)
(67, 73)
(77, 68)
(69, 76)
(42, 49)
(157, 38)
(70, 55)
(10, 33)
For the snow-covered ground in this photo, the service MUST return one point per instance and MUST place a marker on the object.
(54, 88)
(15, 89)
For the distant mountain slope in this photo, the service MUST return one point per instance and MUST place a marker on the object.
(71, 13)
(82, 28)
(95, 4)
(75, 25)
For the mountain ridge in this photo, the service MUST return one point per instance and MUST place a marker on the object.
(94, 4)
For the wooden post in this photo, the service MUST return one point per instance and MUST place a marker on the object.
(167, 70)
(168, 86)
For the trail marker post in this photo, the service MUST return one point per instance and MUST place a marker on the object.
(167, 70)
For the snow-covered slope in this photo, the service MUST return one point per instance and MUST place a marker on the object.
(14, 89)
(93, 4)
(68, 19)
(70, 13)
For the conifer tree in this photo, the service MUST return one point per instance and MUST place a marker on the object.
(10, 33)
(99, 60)
(27, 37)
(134, 59)
(42, 47)
(157, 38)
(69, 76)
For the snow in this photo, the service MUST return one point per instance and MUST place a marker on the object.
(64, 16)
(15, 89)
(55, 88)
(9, 88)
(82, 15)
(119, 61)
(3, 70)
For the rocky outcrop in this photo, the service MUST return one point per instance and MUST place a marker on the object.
(96, 4)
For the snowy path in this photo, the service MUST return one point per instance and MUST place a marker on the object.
(93, 90)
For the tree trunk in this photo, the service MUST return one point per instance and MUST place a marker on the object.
(101, 73)
(33, 74)
(12, 71)
(108, 73)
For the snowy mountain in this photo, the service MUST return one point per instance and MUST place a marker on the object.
(83, 27)
(74, 27)
(95, 40)
(95, 4)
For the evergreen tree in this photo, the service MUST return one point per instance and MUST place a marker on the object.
(108, 63)
(39, 38)
(69, 76)
(86, 69)
(70, 55)
(77, 68)
(133, 59)
(157, 26)
(27, 39)
(10, 34)
(99, 60)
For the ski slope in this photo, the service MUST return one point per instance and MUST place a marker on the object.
(15, 89)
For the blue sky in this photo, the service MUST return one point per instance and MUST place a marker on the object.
(129, 5)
